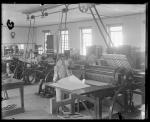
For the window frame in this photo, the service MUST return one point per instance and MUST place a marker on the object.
(81, 39)
(48, 33)
(64, 41)
(109, 31)
(40, 49)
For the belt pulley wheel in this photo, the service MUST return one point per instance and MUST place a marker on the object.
(123, 77)
(31, 77)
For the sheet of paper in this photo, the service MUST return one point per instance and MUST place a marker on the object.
(71, 79)
(70, 83)
(95, 83)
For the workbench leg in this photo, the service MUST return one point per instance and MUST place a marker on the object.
(143, 95)
(143, 98)
(72, 104)
(78, 105)
(95, 110)
(52, 106)
(125, 101)
(99, 108)
(22, 97)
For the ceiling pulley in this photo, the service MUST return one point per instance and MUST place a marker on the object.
(84, 7)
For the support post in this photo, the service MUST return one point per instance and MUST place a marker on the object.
(52, 106)
(22, 97)
(99, 108)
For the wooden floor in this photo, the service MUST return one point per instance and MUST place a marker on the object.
(37, 107)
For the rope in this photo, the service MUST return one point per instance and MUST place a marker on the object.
(61, 26)
(33, 33)
(28, 39)
(66, 14)
(59, 34)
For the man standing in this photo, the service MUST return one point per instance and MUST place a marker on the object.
(61, 71)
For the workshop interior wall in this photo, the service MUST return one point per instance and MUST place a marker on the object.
(133, 31)
(21, 36)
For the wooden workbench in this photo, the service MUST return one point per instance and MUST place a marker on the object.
(97, 92)
(12, 83)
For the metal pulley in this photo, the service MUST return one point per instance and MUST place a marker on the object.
(65, 10)
(85, 7)
(123, 77)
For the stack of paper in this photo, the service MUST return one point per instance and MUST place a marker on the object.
(70, 83)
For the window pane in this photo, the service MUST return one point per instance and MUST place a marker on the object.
(117, 38)
(62, 32)
(21, 46)
(64, 37)
(66, 32)
(86, 39)
(46, 34)
(117, 28)
(86, 30)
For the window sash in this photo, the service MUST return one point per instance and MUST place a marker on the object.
(64, 40)
(86, 39)
(116, 28)
(45, 45)
(116, 35)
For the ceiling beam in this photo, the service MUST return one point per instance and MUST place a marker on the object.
(40, 8)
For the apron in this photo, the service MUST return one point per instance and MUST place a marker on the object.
(60, 71)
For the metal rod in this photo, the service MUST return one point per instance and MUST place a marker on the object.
(33, 32)
(28, 39)
(64, 34)
(58, 11)
(99, 28)
(65, 19)
(60, 32)
(103, 24)
(59, 35)
(100, 15)
(44, 7)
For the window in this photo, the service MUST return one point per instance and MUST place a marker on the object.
(86, 39)
(64, 40)
(40, 50)
(45, 39)
(116, 35)
(21, 46)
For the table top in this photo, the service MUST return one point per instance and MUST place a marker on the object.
(7, 60)
(91, 89)
(11, 83)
